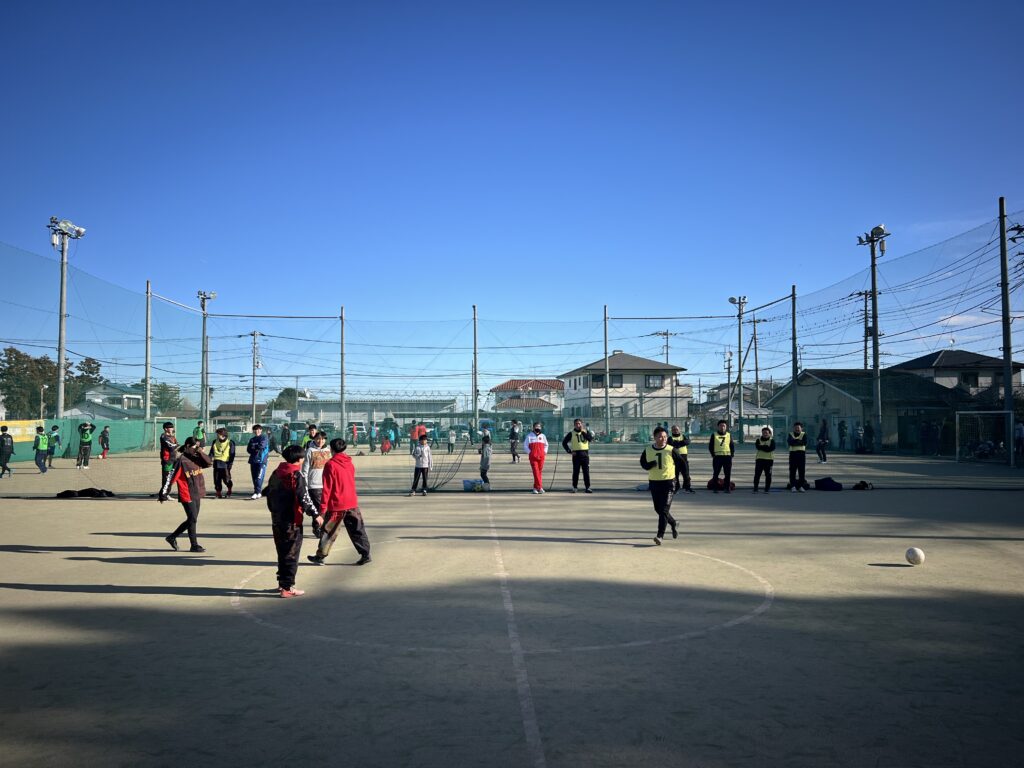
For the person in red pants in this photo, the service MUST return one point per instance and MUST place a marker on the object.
(536, 447)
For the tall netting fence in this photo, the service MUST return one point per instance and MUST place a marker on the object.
(284, 366)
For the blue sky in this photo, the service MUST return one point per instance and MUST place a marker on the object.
(539, 159)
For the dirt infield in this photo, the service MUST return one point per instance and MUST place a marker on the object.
(509, 629)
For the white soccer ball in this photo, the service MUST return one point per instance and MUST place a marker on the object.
(915, 556)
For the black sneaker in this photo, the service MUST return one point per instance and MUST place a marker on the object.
(196, 548)
(657, 540)
(315, 560)
(364, 560)
(588, 491)
(675, 533)
(172, 541)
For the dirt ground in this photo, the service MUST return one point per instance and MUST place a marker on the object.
(509, 629)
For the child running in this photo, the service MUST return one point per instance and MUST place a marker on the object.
(285, 493)
(187, 473)
(660, 462)
(424, 462)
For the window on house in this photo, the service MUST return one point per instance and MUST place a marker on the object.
(654, 381)
(597, 380)
(615, 380)
(969, 379)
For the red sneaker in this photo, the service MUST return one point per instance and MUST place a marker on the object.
(293, 592)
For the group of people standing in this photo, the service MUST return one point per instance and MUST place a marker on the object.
(47, 445)
(312, 480)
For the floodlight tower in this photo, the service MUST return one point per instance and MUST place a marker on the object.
(60, 232)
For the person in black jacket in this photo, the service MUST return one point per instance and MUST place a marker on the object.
(6, 450)
(722, 447)
(764, 459)
(577, 444)
(797, 441)
(680, 443)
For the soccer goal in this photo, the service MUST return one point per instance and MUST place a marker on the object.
(984, 436)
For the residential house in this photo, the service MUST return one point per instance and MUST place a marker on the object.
(914, 409)
(636, 387)
(970, 371)
(529, 395)
(107, 400)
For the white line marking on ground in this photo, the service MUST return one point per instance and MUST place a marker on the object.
(529, 715)
(766, 602)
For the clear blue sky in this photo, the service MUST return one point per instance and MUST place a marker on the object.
(452, 153)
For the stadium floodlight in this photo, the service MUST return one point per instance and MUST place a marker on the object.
(60, 232)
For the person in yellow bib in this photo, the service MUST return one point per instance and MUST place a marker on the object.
(764, 459)
(797, 441)
(680, 443)
(722, 448)
(577, 443)
(660, 462)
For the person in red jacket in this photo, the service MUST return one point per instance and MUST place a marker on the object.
(341, 506)
(187, 473)
(285, 493)
(536, 445)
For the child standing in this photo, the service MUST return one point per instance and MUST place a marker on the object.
(317, 454)
(722, 449)
(284, 494)
(258, 450)
(55, 444)
(797, 441)
(451, 440)
(104, 442)
(85, 431)
(6, 450)
(660, 462)
(39, 447)
(423, 461)
(536, 447)
(764, 459)
(222, 451)
(168, 447)
(187, 473)
(485, 460)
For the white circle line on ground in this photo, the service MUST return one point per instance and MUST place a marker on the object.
(769, 596)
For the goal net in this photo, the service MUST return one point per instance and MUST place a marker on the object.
(984, 436)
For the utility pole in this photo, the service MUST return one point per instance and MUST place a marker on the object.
(476, 390)
(255, 365)
(1004, 284)
(876, 237)
(740, 302)
(867, 331)
(204, 384)
(672, 383)
(149, 347)
(60, 232)
(342, 414)
(757, 367)
(728, 387)
(796, 384)
(607, 380)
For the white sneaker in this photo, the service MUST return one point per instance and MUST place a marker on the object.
(255, 496)
(423, 492)
(792, 490)
(541, 490)
(574, 490)
(535, 490)
(799, 490)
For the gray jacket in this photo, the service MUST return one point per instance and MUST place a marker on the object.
(313, 466)
(421, 453)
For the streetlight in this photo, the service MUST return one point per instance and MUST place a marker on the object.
(60, 232)
(740, 302)
(875, 237)
(42, 389)
(204, 400)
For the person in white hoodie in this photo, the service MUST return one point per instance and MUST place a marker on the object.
(318, 453)
(424, 463)
(535, 446)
